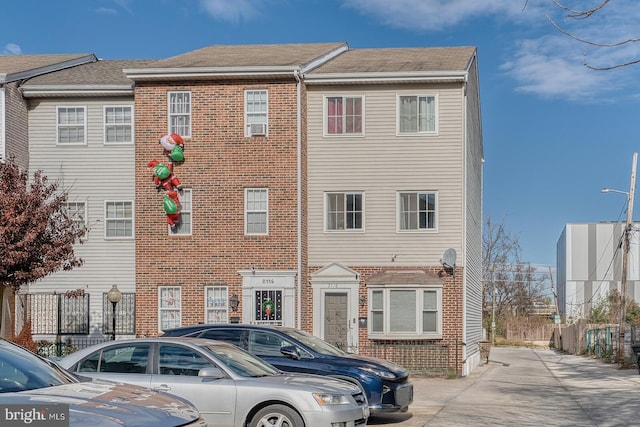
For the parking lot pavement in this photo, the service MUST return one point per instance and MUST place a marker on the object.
(526, 387)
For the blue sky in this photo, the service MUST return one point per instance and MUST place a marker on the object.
(555, 132)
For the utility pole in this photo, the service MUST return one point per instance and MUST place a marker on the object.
(625, 264)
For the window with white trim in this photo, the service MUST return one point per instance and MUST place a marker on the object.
(417, 211)
(184, 226)
(118, 124)
(71, 124)
(396, 313)
(77, 211)
(256, 108)
(344, 211)
(180, 113)
(118, 218)
(170, 307)
(216, 304)
(417, 114)
(256, 207)
(344, 115)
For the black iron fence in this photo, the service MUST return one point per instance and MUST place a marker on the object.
(67, 345)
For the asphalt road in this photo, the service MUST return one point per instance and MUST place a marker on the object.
(526, 387)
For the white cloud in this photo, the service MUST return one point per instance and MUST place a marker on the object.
(12, 49)
(549, 67)
(106, 11)
(547, 63)
(435, 15)
(232, 10)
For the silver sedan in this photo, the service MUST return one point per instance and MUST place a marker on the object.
(37, 392)
(229, 386)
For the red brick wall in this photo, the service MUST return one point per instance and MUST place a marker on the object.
(452, 305)
(219, 164)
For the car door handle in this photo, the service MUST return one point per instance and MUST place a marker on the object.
(162, 387)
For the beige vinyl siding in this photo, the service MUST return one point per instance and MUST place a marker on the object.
(380, 164)
(91, 173)
(473, 219)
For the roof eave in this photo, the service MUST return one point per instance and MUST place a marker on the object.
(76, 90)
(208, 72)
(386, 77)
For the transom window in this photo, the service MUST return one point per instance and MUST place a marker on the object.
(71, 124)
(118, 217)
(256, 108)
(417, 114)
(170, 306)
(344, 211)
(118, 125)
(256, 211)
(184, 227)
(180, 113)
(397, 313)
(344, 115)
(216, 304)
(417, 211)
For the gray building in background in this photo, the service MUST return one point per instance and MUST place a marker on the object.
(589, 266)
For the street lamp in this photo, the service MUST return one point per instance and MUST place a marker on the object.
(625, 259)
(114, 295)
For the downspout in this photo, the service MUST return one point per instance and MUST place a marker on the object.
(299, 185)
(3, 127)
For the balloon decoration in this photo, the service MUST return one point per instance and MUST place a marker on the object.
(165, 180)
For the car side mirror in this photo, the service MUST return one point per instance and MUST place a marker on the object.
(211, 372)
(290, 351)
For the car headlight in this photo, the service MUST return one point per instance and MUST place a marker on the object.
(325, 399)
(387, 375)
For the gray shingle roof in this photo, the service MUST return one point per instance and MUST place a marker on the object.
(99, 73)
(400, 277)
(427, 59)
(25, 66)
(267, 55)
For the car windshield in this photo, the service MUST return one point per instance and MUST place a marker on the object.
(314, 342)
(240, 362)
(21, 370)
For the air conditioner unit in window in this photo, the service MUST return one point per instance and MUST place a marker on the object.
(257, 129)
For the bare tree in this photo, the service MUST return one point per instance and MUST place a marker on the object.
(511, 286)
(36, 233)
(583, 14)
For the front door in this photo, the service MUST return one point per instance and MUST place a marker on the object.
(336, 319)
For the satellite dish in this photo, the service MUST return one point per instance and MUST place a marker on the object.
(449, 258)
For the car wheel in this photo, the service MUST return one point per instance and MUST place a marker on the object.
(276, 415)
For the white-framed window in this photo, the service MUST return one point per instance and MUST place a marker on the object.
(118, 124)
(256, 211)
(77, 211)
(118, 218)
(344, 115)
(180, 113)
(417, 211)
(185, 226)
(399, 312)
(169, 307)
(71, 124)
(256, 107)
(417, 114)
(344, 211)
(216, 304)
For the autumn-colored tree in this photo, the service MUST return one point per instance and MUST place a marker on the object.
(36, 233)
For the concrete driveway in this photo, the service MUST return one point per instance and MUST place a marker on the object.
(526, 387)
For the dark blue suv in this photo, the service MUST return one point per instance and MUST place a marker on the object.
(386, 384)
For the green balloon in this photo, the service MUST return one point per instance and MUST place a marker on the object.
(170, 205)
(177, 155)
(162, 171)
